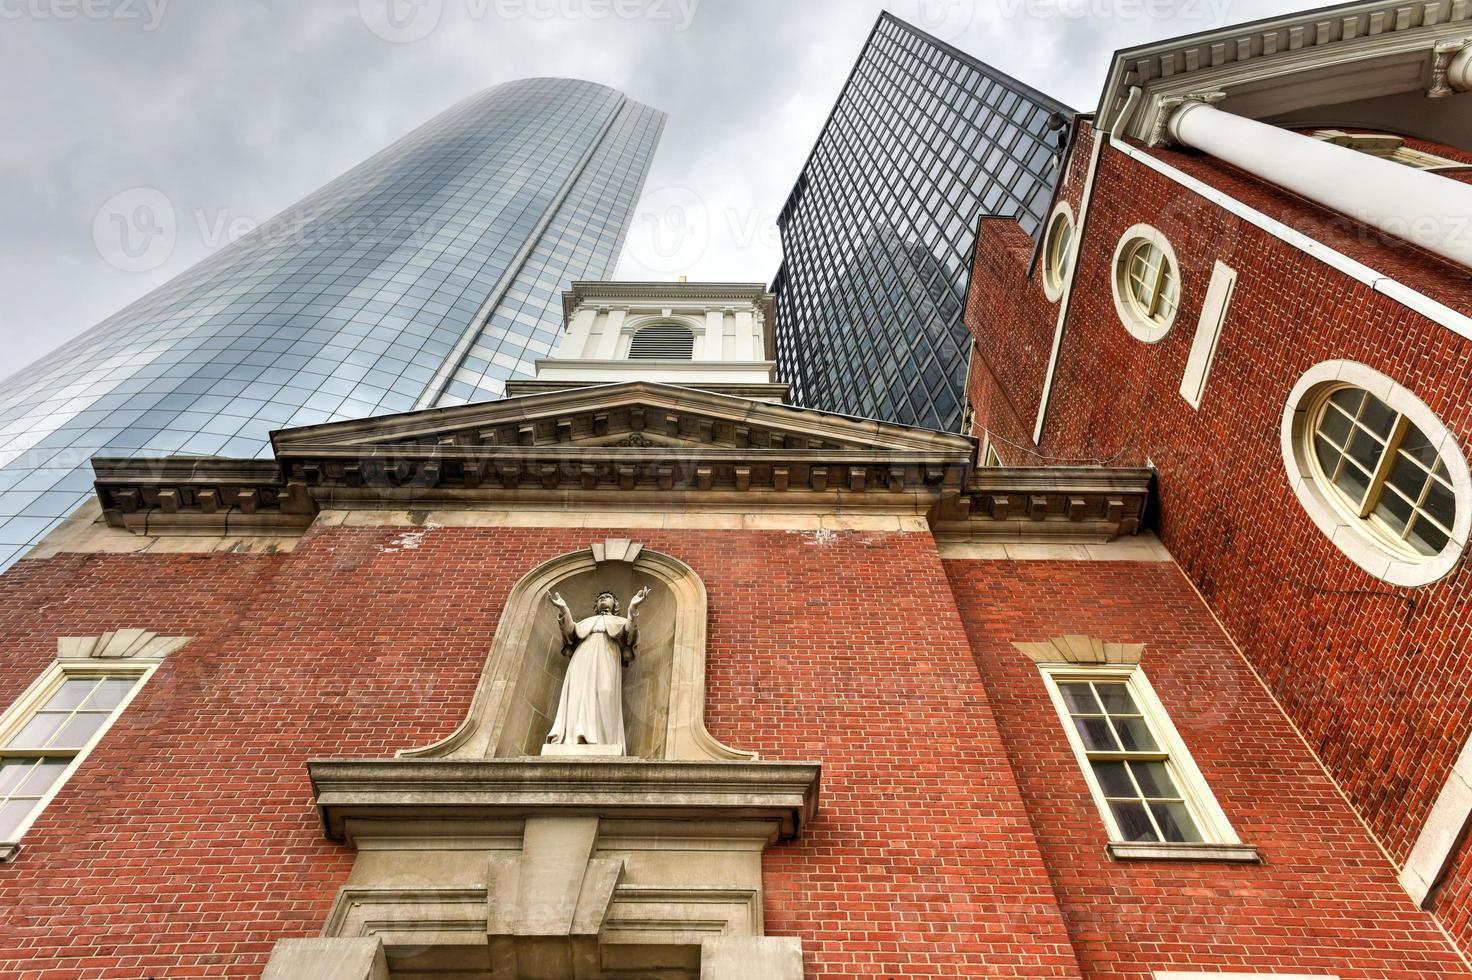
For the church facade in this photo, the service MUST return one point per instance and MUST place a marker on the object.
(889, 712)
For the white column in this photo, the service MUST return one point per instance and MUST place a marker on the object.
(746, 336)
(613, 329)
(1459, 72)
(575, 341)
(715, 336)
(1430, 210)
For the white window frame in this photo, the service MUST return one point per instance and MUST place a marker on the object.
(1057, 266)
(1349, 533)
(1211, 821)
(40, 691)
(1143, 327)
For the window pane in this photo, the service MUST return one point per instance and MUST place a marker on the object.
(1176, 823)
(1134, 824)
(1363, 449)
(37, 732)
(42, 777)
(73, 692)
(1408, 478)
(1154, 780)
(1418, 447)
(1350, 399)
(1378, 417)
(1427, 538)
(1336, 425)
(11, 814)
(1328, 456)
(110, 693)
(1079, 699)
(1117, 700)
(12, 771)
(79, 731)
(1096, 735)
(1135, 735)
(1353, 483)
(1441, 504)
(1394, 511)
(1114, 780)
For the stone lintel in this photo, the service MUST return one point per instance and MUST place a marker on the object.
(783, 795)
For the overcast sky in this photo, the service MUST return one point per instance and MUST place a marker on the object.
(231, 110)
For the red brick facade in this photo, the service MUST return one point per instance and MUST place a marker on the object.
(1376, 677)
(955, 836)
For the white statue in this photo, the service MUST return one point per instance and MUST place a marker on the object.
(591, 709)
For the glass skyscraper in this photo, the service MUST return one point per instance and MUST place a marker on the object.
(877, 236)
(427, 275)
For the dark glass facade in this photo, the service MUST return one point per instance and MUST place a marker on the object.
(429, 274)
(877, 236)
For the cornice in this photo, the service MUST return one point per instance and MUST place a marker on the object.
(349, 792)
(1271, 52)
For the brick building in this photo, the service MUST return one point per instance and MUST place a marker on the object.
(1256, 284)
(1089, 696)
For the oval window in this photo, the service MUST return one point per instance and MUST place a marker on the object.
(1378, 472)
(1147, 283)
(1057, 253)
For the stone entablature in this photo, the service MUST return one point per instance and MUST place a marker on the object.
(638, 445)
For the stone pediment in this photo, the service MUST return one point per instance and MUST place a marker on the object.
(638, 445)
(633, 415)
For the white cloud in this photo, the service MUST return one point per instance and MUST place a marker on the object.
(235, 111)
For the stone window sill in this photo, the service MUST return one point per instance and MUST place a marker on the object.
(8, 851)
(1231, 853)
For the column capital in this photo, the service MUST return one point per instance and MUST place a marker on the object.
(1451, 67)
(1168, 106)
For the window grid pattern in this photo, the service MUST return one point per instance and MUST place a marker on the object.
(346, 305)
(37, 757)
(1128, 763)
(1153, 285)
(878, 233)
(1385, 470)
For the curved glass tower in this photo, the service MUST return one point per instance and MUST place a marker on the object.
(427, 275)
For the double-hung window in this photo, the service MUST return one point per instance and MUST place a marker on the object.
(1140, 774)
(52, 727)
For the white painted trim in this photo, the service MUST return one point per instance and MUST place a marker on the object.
(1350, 534)
(1208, 333)
(1454, 321)
(1431, 855)
(47, 684)
(1142, 328)
(1211, 820)
(1095, 153)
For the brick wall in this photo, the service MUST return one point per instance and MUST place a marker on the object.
(187, 844)
(1376, 677)
(1325, 900)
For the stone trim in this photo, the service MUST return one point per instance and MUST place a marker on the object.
(484, 733)
(1445, 826)
(783, 795)
(1179, 975)
(1081, 650)
(119, 645)
(1228, 853)
(327, 959)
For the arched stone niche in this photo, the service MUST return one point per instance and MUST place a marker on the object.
(664, 689)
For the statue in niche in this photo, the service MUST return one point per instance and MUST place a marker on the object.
(591, 709)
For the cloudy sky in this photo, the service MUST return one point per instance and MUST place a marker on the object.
(234, 110)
